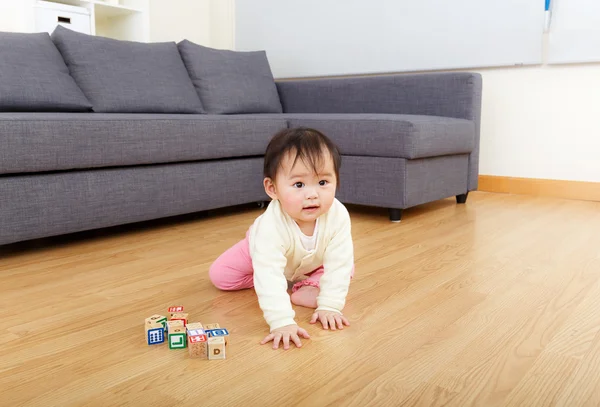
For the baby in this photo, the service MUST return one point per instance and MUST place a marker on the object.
(303, 237)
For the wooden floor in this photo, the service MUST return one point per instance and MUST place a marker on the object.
(492, 303)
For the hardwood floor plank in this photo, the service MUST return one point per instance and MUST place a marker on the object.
(583, 388)
(543, 383)
(565, 349)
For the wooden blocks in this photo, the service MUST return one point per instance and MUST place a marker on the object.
(177, 338)
(180, 316)
(173, 310)
(160, 319)
(213, 333)
(198, 346)
(204, 342)
(155, 333)
(216, 348)
(194, 325)
(174, 324)
(154, 327)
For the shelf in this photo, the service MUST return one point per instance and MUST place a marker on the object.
(128, 20)
(107, 10)
(103, 9)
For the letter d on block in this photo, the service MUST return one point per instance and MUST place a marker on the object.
(216, 348)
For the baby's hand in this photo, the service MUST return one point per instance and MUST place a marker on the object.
(330, 319)
(286, 333)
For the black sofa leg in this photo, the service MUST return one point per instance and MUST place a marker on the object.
(395, 214)
(462, 198)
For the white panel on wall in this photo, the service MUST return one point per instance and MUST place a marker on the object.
(48, 15)
(338, 37)
(575, 31)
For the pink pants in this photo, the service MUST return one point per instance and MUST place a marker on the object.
(233, 270)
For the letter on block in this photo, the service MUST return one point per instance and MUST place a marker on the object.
(175, 309)
(194, 325)
(212, 326)
(177, 339)
(180, 316)
(218, 332)
(174, 324)
(155, 335)
(156, 319)
(216, 348)
(198, 346)
(195, 332)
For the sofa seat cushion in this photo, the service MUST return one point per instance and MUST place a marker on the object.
(38, 142)
(391, 135)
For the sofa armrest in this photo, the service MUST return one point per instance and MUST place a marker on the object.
(440, 94)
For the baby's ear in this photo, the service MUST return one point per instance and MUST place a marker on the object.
(270, 188)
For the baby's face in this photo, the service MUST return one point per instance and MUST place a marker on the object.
(303, 194)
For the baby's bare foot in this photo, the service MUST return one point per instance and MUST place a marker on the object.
(306, 296)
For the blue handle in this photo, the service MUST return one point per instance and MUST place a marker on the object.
(547, 5)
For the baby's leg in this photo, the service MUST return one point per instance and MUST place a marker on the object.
(306, 296)
(233, 269)
(305, 292)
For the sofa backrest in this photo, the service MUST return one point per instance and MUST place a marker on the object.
(74, 72)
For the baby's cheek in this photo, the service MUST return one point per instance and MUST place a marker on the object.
(295, 201)
(290, 201)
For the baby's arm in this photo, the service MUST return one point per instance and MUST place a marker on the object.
(270, 284)
(271, 287)
(337, 262)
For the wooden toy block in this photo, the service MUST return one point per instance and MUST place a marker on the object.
(180, 316)
(194, 325)
(172, 310)
(177, 338)
(174, 324)
(212, 326)
(156, 319)
(155, 334)
(198, 346)
(211, 333)
(216, 348)
(152, 325)
(196, 332)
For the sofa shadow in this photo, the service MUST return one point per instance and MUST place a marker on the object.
(89, 236)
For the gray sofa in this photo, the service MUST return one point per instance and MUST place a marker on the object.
(98, 141)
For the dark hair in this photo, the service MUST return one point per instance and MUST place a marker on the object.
(307, 144)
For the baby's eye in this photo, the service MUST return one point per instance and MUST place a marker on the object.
(299, 184)
(323, 182)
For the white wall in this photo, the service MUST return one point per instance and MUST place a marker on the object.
(542, 122)
(222, 27)
(205, 22)
(14, 16)
(175, 20)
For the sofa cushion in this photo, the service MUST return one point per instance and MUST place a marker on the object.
(34, 77)
(36, 142)
(231, 81)
(391, 135)
(126, 76)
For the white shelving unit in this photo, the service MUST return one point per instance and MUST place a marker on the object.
(120, 19)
